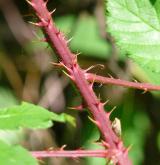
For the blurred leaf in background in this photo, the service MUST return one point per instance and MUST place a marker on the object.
(89, 137)
(86, 37)
(7, 98)
(15, 155)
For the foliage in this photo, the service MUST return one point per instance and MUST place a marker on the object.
(29, 116)
(6, 98)
(86, 38)
(135, 25)
(15, 155)
(26, 115)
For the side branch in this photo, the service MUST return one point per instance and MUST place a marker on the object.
(107, 80)
(71, 154)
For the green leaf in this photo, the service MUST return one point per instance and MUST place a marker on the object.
(7, 98)
(87, 39)
(28, 115)
(63, 117)
(86, 35)
(66, 23)
(145, 75)
(15, 155)
(135, 24)
(12, 136)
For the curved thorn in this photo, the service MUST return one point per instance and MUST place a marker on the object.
(94, 66)
(135, 80)
(78, 54)
(50, 149)
(68, 75)
(105, 144)
(93, 121)
(30, 3)
(68, 41)
(39, 24)
(145, 91)
(110, 75)
(56, 64)
(105, 102)
(63, 147)
(53, 11)
(45, 3)
(92, 83)
(128, 149)
(113, 109)
(80, 108)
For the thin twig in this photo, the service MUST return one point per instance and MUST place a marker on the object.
(113, 81)
(73, 154)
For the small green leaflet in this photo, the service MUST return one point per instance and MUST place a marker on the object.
(15, 155)
(28, 115)
(135, 24)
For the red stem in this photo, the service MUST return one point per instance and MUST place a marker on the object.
(75, 154)
(107, 80)
(117, 152)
